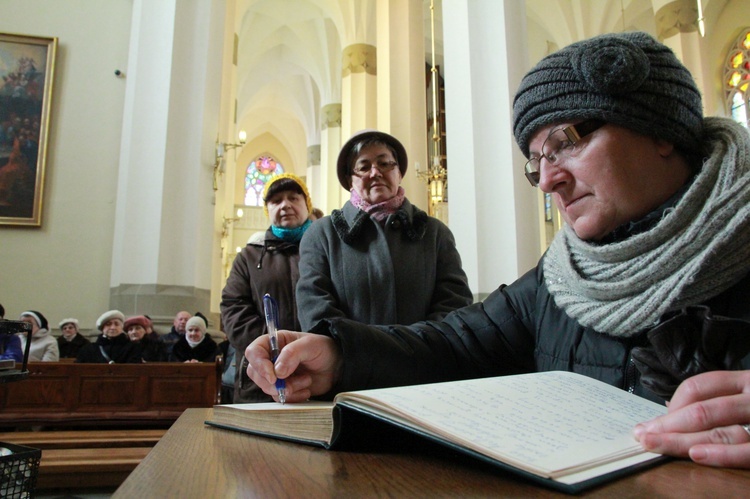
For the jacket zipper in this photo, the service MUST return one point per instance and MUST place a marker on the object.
(630, 375)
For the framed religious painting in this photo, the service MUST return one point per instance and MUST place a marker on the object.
(27, 69)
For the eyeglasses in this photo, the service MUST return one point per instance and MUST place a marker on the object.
(363, 169)
(558, 146)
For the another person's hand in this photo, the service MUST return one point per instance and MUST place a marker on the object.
(310, 364)
(705, 421)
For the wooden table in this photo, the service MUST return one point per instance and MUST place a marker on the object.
(193, 460)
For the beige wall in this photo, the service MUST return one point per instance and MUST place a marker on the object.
(63, 268)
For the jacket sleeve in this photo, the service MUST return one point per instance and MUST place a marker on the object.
(242, 320)
(451, 285)
(11, 348)
(316, 295)
(491, 338)
(51, 351)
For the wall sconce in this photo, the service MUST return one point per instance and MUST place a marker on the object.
(227, 222)
(220, 151)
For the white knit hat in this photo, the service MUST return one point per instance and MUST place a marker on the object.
(197, 321)
(69, 321)
(111, 314)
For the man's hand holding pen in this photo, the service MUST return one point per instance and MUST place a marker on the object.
(309, 363)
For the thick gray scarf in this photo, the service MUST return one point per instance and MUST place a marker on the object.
(698, 249)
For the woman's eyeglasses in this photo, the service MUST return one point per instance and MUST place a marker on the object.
(363, 169)
(558, 146)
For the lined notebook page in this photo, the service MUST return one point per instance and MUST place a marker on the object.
(546, 423)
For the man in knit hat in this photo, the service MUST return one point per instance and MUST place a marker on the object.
(71, 340)
(646, 286)
(43, 344)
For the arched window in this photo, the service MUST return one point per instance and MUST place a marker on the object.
(737, 78)
(257, 174)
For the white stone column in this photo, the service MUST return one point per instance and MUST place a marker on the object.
(493, 209)
(313, 175)
(164, 213)
(358, 100)
(677, 28)
(330, 144)
(401, 86)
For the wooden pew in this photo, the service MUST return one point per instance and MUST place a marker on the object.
(77, 459)
(108, 395)
(119, 412)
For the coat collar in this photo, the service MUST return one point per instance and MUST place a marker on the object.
(350, 222)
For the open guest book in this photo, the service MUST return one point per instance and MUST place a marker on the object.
(563, 430)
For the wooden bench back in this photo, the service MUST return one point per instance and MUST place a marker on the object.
(108, 394)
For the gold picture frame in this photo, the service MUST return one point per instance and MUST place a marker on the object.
(27, 70)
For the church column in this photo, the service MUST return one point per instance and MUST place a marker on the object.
(163, 222)
(313, 175)
(401, 86)
(492, 208)
(358, 101)
(677, 27)
(330, 144)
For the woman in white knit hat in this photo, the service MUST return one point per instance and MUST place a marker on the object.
(112, 346)
(43, 344)
(71, 341)
(196, 345)
(646, 287)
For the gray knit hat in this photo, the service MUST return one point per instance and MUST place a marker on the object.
(628, 79)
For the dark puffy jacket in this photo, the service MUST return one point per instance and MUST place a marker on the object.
(270, 267)
(70, 349)
(205, 351)
(118, 350)
(519, 329)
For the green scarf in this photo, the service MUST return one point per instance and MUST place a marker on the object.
(291, 235)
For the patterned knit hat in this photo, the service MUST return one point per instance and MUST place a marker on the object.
(273, 186)
(343, 164)
(628, 79)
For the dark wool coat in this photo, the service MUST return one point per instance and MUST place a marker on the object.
(520, 329)
(205, 351)
(119, 350)
(152, 350)
(404, 271)
(70, 349)
(269, 267)
(169, 339)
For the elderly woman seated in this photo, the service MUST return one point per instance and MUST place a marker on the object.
(71, 341)
(152, 350)
(113, 345)
(196, 345)
(43, 344)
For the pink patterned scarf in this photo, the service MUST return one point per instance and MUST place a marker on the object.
(379, 211)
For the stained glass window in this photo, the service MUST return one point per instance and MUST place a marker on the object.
(257, 174)
(737, 78)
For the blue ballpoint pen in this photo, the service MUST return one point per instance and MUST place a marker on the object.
(272, 324)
